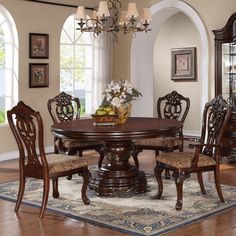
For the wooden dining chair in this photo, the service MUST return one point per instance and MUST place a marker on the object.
(27, 127)
(206, 156)
(63, 108)
(170, 106)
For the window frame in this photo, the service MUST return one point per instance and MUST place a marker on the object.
(11, 91)
(74, 44)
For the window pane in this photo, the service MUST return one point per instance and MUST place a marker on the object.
(76, 61)
(2, 49)
(8, 65)
(69, 27)
(66, 82)
(65, 38)
(82, 38)
(83, 56)
(67, 56)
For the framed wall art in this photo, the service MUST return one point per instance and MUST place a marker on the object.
(38, 45)
(183, 64)
(38, 75)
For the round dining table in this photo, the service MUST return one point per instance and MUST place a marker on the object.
(117, 177)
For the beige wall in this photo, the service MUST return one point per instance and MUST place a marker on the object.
(214, 14)
(32, 17)
(183, 34)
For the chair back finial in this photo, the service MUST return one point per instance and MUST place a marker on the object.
(173, 106)
(64, 107)
(27, 127)
(216, 115)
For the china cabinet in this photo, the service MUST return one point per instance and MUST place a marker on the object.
(225, 78)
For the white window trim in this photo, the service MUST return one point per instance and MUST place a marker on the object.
(12, 62)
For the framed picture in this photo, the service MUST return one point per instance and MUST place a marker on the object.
(38, 45)
(183, 64)
(38, 75)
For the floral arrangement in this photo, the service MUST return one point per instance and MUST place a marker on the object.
(119, 92)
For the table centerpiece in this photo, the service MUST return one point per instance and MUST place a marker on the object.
(118, 95)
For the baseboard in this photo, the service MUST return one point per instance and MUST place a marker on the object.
(15, 154)
(192, 133)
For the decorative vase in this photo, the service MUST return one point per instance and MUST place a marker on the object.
(123, 112)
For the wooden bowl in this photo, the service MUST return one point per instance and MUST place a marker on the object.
(104, 119)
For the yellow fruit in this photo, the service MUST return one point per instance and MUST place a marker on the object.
(111, 113)
(107, 109)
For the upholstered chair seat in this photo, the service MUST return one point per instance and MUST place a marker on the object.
(167, 142)
(73, 144)
(184, 159)
(62, 163)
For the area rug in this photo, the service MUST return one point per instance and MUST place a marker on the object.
(136, 215)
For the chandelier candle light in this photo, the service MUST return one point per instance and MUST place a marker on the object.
(108, 19)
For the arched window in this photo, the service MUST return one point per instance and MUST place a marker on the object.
(77, 64)
(8, 63)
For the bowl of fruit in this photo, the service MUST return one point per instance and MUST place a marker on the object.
(104, 116)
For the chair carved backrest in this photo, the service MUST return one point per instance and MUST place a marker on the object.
(213, 124)
(173, 106)
(64, 107)
(27, 127)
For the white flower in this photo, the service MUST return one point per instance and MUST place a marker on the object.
(116, 88)
(116, 102)
(119, 92)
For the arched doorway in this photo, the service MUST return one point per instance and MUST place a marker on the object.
(142, 56)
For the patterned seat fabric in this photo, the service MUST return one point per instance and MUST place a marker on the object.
(72, 143)
(160, 142)
(59, 163)
(184, 159)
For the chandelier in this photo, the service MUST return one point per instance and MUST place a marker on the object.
(108, 19)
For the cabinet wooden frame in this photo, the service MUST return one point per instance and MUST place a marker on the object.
(184, 64)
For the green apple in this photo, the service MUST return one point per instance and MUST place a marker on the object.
(107, 109)
(100, 112)
(111, 113)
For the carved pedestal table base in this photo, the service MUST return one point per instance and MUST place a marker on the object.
(118, 177)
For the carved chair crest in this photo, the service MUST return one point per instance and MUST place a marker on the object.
(213, 118)
(27, 128)
(64, 107)
(173, 106)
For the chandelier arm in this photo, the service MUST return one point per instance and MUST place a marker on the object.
(110, 24)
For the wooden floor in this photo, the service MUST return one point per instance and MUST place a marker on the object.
(27, 223)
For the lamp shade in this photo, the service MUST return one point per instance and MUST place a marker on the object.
(80, 13)
(146, 15)
(132, 11)
(103, 9)
(123, 18)
(94, 15)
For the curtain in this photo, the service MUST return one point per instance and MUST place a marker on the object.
(103, 63)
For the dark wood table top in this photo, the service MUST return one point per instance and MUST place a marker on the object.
(135, 128)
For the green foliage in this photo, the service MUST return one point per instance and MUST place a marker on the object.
(2, 49)
(2, 116)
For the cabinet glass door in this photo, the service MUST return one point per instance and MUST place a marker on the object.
(229, 72)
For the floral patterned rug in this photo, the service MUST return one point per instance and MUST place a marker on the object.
(137, 215)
